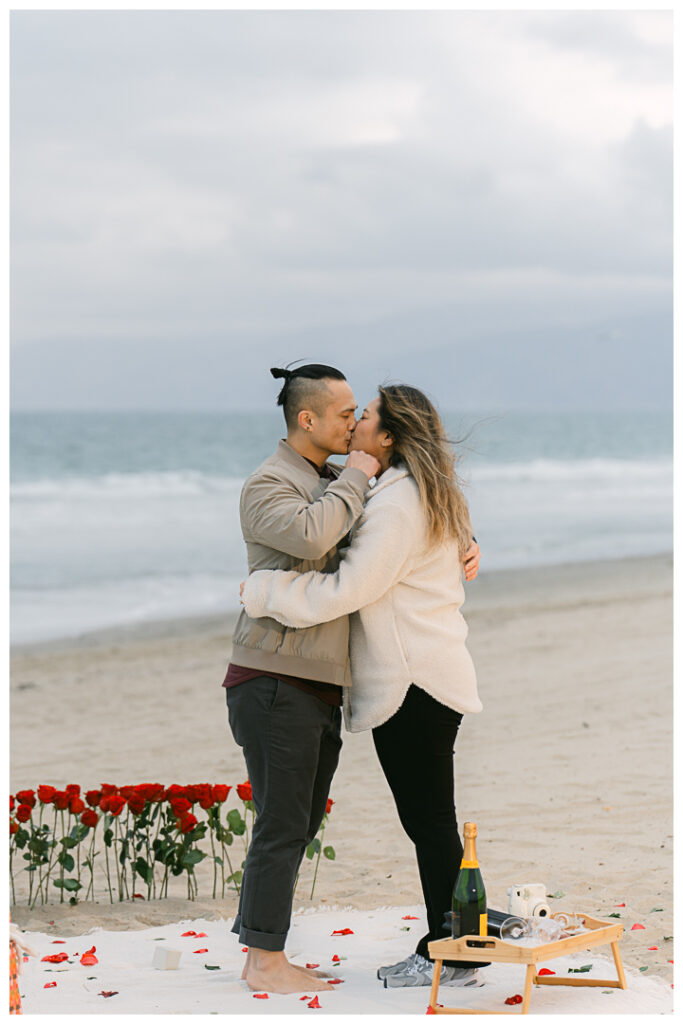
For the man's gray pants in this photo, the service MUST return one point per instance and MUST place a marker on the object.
(291, 742)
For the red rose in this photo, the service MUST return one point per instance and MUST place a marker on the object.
(244, 791)
(330, 804)
(92, 797)
(89, 818)
(203, 794)
(106, 789)
(180, 806)
(150, 791)
(220, 793)
(26, 796)
(13, 827)
(187, 823)
(46, 794)
(61, 799)
(136, 802)
(173, 791)
(23, 812)
(76, 805)
(11, 803)
(112, 804)
(73, 790)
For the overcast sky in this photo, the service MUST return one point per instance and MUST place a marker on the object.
(476, 203)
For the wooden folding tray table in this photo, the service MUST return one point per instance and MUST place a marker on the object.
(488, 949)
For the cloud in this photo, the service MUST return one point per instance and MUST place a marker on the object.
(258, 175)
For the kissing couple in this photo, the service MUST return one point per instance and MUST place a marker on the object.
(352, 601)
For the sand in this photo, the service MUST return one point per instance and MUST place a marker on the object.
(567, 771)
(208, 977)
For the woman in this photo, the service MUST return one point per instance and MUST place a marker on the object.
(413, 678)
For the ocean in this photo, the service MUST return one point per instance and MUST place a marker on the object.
(123, 518)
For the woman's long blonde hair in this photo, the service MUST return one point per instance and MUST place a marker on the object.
(420, 442)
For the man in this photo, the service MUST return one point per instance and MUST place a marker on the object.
(284, 686)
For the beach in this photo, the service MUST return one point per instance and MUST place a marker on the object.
(567, 771)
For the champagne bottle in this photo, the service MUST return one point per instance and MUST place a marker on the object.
(469, 895)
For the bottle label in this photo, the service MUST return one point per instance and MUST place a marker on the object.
(483, 924)
(469, 864)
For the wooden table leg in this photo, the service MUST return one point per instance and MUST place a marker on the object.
(528, 982)
(436, 975)
(618, 964)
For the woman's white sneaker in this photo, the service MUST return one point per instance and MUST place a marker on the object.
(420, 974)
(402, 965)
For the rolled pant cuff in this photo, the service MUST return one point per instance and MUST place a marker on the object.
(272, 941)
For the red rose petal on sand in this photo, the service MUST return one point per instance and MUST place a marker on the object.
(202, 935)
(59, 942)
(301, 998)
(619, 904)
(89, 958)
(314, 1004)
(409, 917)
(138, 896)
(344, 931)
(545, 970)
(200, 951)
(50, 984)
(429, 1010)
(335, 959)
(311, 966)
(638, 927)
(261, 995)
(513, 1000)
(336, 981)
(245, 949)
(185, 934)
(107, 995)
(653, 947)
(55, 958)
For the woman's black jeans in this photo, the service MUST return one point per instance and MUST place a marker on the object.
(415, 748)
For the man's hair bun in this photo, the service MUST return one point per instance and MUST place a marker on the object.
(277, 373)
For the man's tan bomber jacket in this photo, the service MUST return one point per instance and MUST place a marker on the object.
(294, 519)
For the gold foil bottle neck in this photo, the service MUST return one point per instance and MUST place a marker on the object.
(470, 830)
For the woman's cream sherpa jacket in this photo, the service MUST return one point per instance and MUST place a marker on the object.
(405, 597)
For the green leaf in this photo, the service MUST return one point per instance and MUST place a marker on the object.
(70, 884)
(68, 842)
(236, 877)
(108, 836)
(580, 970)
(236, 822)
(657, 910)
(667, 938)
(212, 967)
(312, 849)
(67, 861)
(192, 857)
(143, 869)
(328, 851)
(614, 915)
(556, 895)
(227, 838)
(642, 968)
(218, 860)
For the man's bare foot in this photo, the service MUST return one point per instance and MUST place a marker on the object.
(267, 971)
(308, 971)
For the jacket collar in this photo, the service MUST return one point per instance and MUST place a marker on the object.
(388, 477)
(286, 452)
